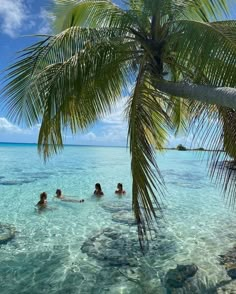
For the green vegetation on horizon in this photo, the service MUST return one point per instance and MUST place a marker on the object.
(177, 56)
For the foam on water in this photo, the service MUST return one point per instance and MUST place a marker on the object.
(46, 257)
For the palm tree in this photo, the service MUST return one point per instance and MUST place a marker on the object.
(167, 50)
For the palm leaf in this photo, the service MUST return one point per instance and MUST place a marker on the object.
(170, 10)
(209, 54)
(86, 13)
(200, 47)
(148, 123)
(92, 96)
(216, 66)
(214, 129)
(83, 64)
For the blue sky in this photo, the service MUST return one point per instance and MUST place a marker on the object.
(19, 18)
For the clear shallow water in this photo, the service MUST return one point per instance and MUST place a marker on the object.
(81, 247)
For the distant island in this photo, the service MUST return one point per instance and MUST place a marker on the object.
(180, 147)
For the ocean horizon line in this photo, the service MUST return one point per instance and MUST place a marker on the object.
(105, 146)
(69, 145)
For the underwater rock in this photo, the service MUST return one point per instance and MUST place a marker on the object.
(10, 183)
(232, 273)
(16, 182)
(229, 261)
(7, 232)
(226, 287)
(175, 278)
(37, 175)
(113, 247)
(229, 257)
(116, 206)
(125, 217)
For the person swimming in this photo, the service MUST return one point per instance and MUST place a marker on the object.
(98, 190)
(59, 194)
(63, 198)
(120, 190)
(43, 200)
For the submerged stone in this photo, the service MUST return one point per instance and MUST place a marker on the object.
(229, 261)
(16, 182)
(229, 257)
(232, 273)
(116, 206)
(175, 278)
(7, 232)
(226, 287)
(113, 247)
(10, 183)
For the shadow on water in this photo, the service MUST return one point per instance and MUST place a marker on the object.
(16, 182)
(25, 178)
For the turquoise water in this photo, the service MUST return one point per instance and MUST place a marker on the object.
(87, 247)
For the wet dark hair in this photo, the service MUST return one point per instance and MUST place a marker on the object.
(120, 186)
(98, 186)
(58, 191)
(43, 195)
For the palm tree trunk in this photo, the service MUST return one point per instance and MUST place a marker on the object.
(222, 96)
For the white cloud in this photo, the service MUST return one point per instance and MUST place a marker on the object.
(45, 22)
(89, 136)
(113, 135)
(115, 118)
(117, 115)
(13, 13)
(12, 133)
(16, 18)
(7, 127)
(115, 126)
(108, 135)
(111, 130)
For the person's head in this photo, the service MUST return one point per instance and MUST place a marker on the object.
(98, 187)
(43, 196)
(58, 192)
(120, 186)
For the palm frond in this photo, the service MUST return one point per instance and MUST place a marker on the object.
(91, 81)
(214, 129)
(205, 49)
(136, 5)
(86, 13)
(215, 67)
(18, 75)
(222, 164)
(179, 115)
(88, 66)
(178, 108)
(148, 123)
(205, 10)
(169, 10)
(227, 29)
